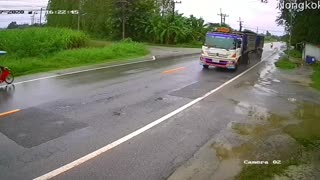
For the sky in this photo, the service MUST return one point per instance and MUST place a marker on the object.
(20, 5)
(253, 13)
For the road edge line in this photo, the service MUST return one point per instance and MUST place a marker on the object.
(81, 71)
(94, 69)
(114, 144)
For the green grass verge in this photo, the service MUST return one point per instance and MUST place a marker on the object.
(34, 42)
(74, 58)
(316, 77)
(284, 63)
(294, 53)
(99, 43)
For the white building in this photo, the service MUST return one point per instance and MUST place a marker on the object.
(311, 50)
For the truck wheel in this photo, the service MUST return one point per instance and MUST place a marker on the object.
(260, 54)
(205, 67)
(248, 61)
(240, 60)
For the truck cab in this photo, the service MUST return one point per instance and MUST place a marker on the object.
(221, 50)
(225, 49)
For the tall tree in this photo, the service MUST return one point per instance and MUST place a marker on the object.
(145, 20)
(305, 23)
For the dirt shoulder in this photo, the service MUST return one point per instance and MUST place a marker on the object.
(276, 134)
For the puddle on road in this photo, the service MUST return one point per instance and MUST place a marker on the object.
(225, 153)
(252, 111)
(256, 130)
(273, 122)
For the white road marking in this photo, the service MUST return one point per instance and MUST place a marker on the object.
(106, 148)
(80, 71)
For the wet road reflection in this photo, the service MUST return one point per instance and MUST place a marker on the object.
(6, 92)
(74, 85)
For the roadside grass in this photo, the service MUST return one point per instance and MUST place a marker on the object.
(34, 50)
(284, 63)
(316, 77)
(262, 172)
(34, 42)
(99, 43)
(294, 53)
(74, 58)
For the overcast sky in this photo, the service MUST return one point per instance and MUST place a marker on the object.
(19, 5)
(252, 12)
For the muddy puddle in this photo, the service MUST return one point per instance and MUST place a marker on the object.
(272, 137)
(255, 133)
(273, 122)
(307, 132)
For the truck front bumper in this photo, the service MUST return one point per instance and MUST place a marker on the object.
(222, 63)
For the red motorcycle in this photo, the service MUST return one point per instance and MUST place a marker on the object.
(6, 75)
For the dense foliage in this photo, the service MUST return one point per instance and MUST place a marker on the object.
(31, 42)
(305, 24)
(145, 20)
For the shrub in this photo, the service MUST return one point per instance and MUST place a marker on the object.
(75, 57)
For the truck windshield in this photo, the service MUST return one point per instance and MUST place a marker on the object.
(221, 42)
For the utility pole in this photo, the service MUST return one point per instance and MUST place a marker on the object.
(123, 5)
(174, 8)
(40, 16)
(240, 24)
(289, 46)
(79, 14)
(163, 5)
(257, 29)
(32, 18)
(222, 17)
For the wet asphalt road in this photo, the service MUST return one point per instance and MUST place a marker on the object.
(67, 117)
